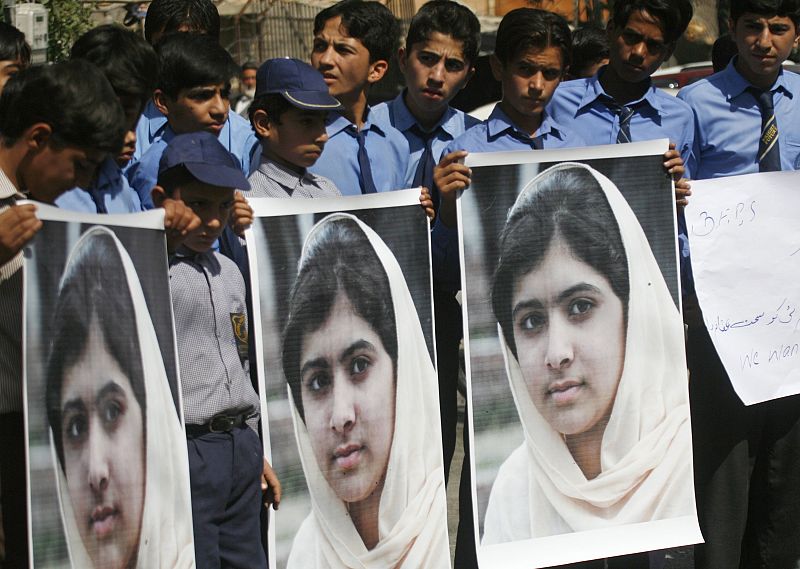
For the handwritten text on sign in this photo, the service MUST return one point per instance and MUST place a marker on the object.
(745, 243)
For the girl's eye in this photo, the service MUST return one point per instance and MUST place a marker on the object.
(76, 427)
(532, 322)
(580, 306)
(317, 382)
(111, 412)
(359, 365)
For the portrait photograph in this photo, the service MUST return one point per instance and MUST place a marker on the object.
(107, 461)
(575, 356)
(344, 337)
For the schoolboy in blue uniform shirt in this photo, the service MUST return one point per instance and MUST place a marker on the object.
(746, 459)
(131, 67)
(353, 43)
(226, 463)
(288, 114)
(192, 94)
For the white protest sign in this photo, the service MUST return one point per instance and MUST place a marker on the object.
(745, 242)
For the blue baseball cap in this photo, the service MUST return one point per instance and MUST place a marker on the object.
(298, 82)
(204, 157)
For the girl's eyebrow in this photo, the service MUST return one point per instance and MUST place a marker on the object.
(535, 303)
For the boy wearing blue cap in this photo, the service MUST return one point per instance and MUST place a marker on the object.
(288, 115)
(227, 470)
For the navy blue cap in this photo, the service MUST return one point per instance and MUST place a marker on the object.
(298, 82)
(203, 155)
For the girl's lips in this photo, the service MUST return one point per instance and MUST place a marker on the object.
(565, 391)
(347, 457)
(103, 521)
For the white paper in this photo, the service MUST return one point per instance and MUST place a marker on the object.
(745, 245)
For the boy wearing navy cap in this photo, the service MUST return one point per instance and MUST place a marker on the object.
(227, 470)
(288, 115)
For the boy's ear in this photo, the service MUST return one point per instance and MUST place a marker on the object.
(377, 69)
(470, 75)
(402, 58)
(37, 136)
(160, 101)
(159, 196)
(261, 124)
(497, 67)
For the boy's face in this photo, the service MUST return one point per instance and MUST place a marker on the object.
(297, 139)
(212, 205)
(529, 79)
(637, 50)
(435, 71)
(53, 169)
(764, 42)
(198, 108)
(8, 68)
(132, 106)
(344, 61)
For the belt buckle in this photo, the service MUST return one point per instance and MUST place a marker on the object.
(221, 424)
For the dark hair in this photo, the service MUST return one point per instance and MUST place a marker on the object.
(448, 18)
(249, 65)
(274, 104)
(129, 63)
(169, 16)
(73, 97)
(94, 288)
(340, 259)
(192, 60)
(782, 8)
(722, 52)
(589, 46)
(13, 46)
(526, 28)
(568, 204)
(674, 15)
(372, 23)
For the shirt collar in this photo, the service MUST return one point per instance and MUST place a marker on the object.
(499, 122)
(404, 120)
(283, 175)
(595, 92)
(337, 122)
(155, 118)
(108, 174)
(735, 84)
(7, 189)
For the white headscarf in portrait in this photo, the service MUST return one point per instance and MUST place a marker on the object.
(646, 448)
(165, 538)
(413, 508)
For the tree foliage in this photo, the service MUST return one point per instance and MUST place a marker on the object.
(67, 21)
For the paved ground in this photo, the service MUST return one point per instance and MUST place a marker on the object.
(680, 558)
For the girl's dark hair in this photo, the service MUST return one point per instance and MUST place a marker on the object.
(169, 16)
(370, 22)
(13, 46)
(192, 60)
(526, 28)
(447, 18)
(340, 259)
(94, 288)
(73, 97)
(568, 204)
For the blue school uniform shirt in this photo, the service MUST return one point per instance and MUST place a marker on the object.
(143, 175)
(452, 125)
(386, 146)
(108, 193)
(496, 134)
(580, 103)
(727, 123)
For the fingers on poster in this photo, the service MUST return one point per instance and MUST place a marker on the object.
(345, 343)
(107, 462)
(574, 353)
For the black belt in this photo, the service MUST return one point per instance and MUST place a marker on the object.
(222, 423)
